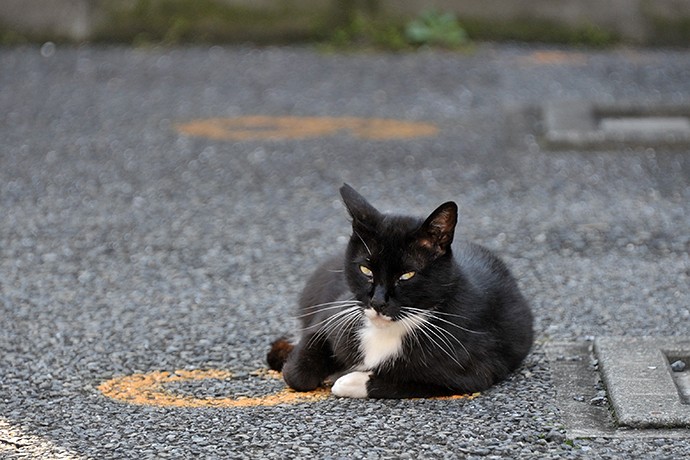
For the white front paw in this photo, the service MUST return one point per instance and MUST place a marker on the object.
(352, 385)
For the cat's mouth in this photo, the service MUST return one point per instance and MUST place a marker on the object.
(377, 319)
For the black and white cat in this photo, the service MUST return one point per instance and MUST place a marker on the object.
(402, 315)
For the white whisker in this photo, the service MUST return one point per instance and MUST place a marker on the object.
(347, 324)
(336, 302)
(342, 325)
(332, 307)
(430, 332)
(329, 319)
(455, 315)
(411, 324)
(442, 334)
(427, 332)
(362, 240)
(332, 323)
(459, 327)
(450, 335)
(435, 313)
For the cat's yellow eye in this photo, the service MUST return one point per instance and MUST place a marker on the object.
(407, 276)
(366, 271)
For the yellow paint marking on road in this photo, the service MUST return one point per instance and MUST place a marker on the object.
(149, 389)
(260, 127)
(469, 397)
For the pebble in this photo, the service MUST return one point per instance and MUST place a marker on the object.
(598, 401)
(555, 436)
(678, 366)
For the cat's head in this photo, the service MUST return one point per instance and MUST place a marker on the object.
(394, 262)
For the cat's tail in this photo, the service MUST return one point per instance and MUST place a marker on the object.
(279, 352)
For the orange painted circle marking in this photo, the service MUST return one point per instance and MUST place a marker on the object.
(149, 390)
(260, 127)
(556, 57)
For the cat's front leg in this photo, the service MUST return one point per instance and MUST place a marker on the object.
(370, 385)
(308, 364)
(352, 385)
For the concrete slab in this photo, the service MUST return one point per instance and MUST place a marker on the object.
(586, 125)
(576, 377)
(640, 382)
(647, 124)
(575, 380)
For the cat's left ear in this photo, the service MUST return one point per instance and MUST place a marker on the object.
(363, 214)
(436, 233)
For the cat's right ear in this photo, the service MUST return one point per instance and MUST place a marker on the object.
(436, 233)
(363, 214)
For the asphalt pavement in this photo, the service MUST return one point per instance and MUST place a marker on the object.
(132, 247)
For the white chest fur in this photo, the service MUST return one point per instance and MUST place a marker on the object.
(380, 343)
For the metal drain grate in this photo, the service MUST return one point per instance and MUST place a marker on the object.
(583, 125)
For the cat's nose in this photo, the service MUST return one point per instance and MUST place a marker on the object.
(378, 299)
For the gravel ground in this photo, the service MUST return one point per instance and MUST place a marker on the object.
(126, 247)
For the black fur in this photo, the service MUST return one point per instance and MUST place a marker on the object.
(479, 325)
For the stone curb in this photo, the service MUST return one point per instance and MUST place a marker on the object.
(639, 380)
(586, 126)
